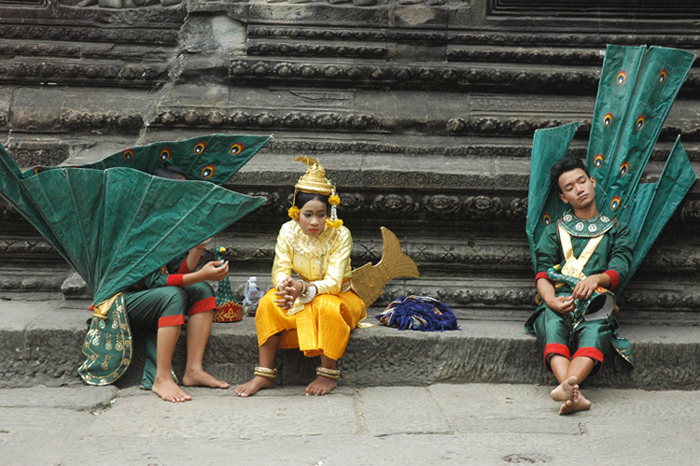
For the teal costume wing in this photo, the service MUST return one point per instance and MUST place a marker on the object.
(117, 225)
(123, 223)
(214, 158)
(637, 88)
(16, 194)
(543, 203)
(655, 203)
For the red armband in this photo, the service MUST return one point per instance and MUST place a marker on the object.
(541, 275)
(183, 267)
(614, 278)
(175, 279)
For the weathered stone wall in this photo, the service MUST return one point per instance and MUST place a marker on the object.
(423, 113)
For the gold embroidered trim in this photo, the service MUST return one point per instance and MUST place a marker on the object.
(102, 309)
(574, 265)
(307, 246)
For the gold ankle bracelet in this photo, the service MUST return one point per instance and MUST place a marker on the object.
(265, 372)
(326, 372)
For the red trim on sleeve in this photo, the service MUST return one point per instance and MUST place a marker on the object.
(593, 353)
(204, 305)
(183, 267)
(614, 278)
(170, 321)
(590, 352)
(541, 275)
(556, 348)
(175, 279)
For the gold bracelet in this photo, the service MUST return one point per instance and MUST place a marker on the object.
(265, 372)
(326, 372)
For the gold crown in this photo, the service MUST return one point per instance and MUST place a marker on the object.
(314, 181)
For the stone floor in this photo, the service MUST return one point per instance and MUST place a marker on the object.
(446, 424)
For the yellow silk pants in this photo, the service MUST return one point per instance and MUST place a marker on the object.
(323, 327)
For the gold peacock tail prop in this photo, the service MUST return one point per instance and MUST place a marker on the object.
(368, 281)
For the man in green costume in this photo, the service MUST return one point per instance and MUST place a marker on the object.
(596, 251)
(612, 208)
(119, 220)
(159, 303)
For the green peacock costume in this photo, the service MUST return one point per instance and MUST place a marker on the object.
(118, 221)
(637, 88)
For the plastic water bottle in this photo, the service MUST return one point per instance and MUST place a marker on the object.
(252, 296)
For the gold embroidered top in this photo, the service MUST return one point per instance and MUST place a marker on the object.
(324, 260)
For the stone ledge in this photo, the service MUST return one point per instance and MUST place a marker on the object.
(40, 344)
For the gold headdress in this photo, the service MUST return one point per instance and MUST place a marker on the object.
(314, 181)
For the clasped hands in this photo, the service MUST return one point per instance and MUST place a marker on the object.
(289, 291)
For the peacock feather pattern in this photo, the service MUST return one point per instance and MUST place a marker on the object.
(115, 222)
(214, 158)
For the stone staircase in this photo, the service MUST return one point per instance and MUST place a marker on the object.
(40, 344)
(423, 114)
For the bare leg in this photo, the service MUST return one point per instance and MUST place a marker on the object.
(570, 375)
(322, 385)
(164, 385)
(198, 330)
(565, 390)
(266, 356)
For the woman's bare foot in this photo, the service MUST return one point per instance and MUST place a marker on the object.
(253, 385)
(571, 406)
(168, 390)
(321, 386)
(197, 377)
(567, 390)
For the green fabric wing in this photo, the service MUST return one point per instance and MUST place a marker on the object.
(12, 190)
(119, 224)
(615, 90)
(636, 91)
(214, 158)
(657, 203)
(544, 205)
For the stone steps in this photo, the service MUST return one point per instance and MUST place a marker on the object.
(40, 343)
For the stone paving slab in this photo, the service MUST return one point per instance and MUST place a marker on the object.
(480, 424)
(40, 436)
(228, 417)
(483, 408)
(84, 398)
(401, 410)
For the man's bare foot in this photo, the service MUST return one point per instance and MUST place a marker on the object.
(571, 406)
(567, 390)
(253, 385)
(168, 390)
(197, 377)
(321, 386)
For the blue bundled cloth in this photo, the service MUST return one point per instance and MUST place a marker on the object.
(419, 313)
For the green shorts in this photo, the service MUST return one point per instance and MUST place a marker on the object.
(556, 335)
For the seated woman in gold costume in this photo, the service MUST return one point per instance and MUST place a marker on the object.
(316, 311)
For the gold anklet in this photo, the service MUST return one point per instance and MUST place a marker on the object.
(326, 372)
(265, 372)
